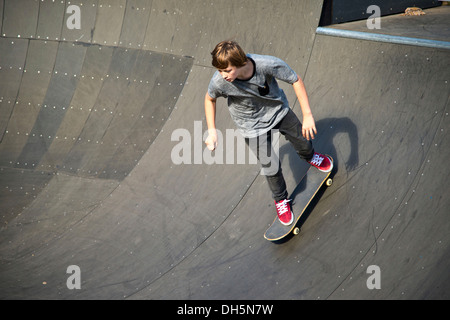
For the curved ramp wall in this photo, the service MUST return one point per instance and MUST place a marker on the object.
(87, 118)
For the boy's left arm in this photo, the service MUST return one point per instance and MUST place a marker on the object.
(308, 124)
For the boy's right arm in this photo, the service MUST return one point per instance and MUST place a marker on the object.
(210, 112)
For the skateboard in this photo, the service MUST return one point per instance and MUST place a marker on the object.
(312, 181)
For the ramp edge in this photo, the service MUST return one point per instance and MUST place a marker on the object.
(383, 38)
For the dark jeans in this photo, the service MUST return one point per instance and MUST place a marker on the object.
(268, 156)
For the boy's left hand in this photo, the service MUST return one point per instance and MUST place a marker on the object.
(309, 127)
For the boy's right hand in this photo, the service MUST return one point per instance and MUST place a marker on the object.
(211, 141)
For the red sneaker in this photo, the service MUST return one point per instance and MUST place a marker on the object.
(321, 162)
(284, 212)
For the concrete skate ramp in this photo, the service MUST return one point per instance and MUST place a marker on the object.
(91, 120)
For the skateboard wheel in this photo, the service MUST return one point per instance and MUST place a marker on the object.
(329, 182)
(296, 230)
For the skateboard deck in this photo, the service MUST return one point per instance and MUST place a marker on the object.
(312, 181)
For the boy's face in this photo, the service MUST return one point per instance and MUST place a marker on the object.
(230, 73)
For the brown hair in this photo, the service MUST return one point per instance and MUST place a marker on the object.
(228, 53)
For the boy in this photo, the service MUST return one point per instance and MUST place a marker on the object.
(257, 105)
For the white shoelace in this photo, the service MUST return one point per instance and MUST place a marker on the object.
(316, 160)
(282, 207)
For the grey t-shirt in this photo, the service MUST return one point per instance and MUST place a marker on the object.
(258, 104)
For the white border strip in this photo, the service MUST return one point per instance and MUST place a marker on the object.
(383, 38)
